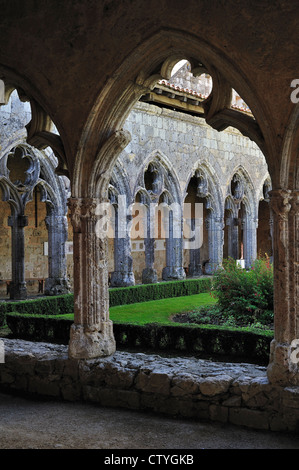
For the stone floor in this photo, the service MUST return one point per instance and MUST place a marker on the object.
(27, 423)
(46, 424)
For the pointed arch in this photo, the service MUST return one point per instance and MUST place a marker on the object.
(151, 61)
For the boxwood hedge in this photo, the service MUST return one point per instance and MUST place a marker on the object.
(62, 304)
(201, 340)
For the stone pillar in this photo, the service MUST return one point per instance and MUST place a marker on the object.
(123, 274)
(250, 241)
(149, 274)
(284, 353)
(18, 289)
(57, 282)
(216, 240)
(91, 334)
(194, 268)
(233, 237)
(174, 252)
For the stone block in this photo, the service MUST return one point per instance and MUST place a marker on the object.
(232, 401)
(154, 382)
(218, 413)
(290, 397)
(250, 418)
(215, 385)
(44, 386)
(184, 386)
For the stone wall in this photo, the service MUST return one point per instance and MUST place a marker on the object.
(239, 394)
(183, 142)
(187, 141)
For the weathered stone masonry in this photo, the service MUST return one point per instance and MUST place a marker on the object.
(181, 387)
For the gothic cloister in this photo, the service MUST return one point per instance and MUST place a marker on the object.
(85, 86)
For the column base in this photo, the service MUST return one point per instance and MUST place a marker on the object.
(149, 276)
(283, 368)
(56, 286)
(210, 268)
(122, 279)
(87, 342)
(18, 291)
(172, 273)
(194, 271)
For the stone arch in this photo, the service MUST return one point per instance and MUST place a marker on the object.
(42, 130)
(167, 172)
(137, 76)
(120, 197)
(289, 168)
(265, 221)
(103, 139)
(39, 176)
(161, 184)
(240, 218)
(204, 259)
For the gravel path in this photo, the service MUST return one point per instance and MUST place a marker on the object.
(40, 424)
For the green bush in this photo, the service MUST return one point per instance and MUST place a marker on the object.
(204, 341)
(54, 305)
(49, 328)
(62, 304)
(245, 293)
(163, 290)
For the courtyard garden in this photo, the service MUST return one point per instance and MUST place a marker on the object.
(229, 315)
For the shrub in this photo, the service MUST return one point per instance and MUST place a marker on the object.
(163, 290)
(63, 304)
(244, 293)
(204, 341)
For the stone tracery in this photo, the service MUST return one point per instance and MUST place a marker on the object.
(217, 110)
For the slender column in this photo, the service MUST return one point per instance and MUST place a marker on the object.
(57, 282)
(194, 268)
(174, 253)
(92, 332)
(123, 274)
(149, 274)
(216, 240)
(233, 237)
(284, 352)
(250, 242)
(18, 289)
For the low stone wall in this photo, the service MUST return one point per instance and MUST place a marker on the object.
(181, 387)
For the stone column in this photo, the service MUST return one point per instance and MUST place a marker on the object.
(194, 268)
(216, 240)
(174, 252)
(284, 352)
(57, 282)
(91, 334)
(233, 237)
(149, 274)
(250, 242)
(123, 274)
(18, 289)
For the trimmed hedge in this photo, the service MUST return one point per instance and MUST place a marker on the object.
(45, 328)
(204, 341)
(54, 305)
(62, 304)
(163, 290)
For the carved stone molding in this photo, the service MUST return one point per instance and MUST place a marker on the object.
(82, 211)
(280, 202)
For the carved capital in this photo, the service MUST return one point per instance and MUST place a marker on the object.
(83, 212)
(280, 202)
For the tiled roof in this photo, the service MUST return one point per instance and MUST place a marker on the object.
(202, 96)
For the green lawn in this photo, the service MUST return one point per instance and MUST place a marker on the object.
(158, 311)
(155, 311)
